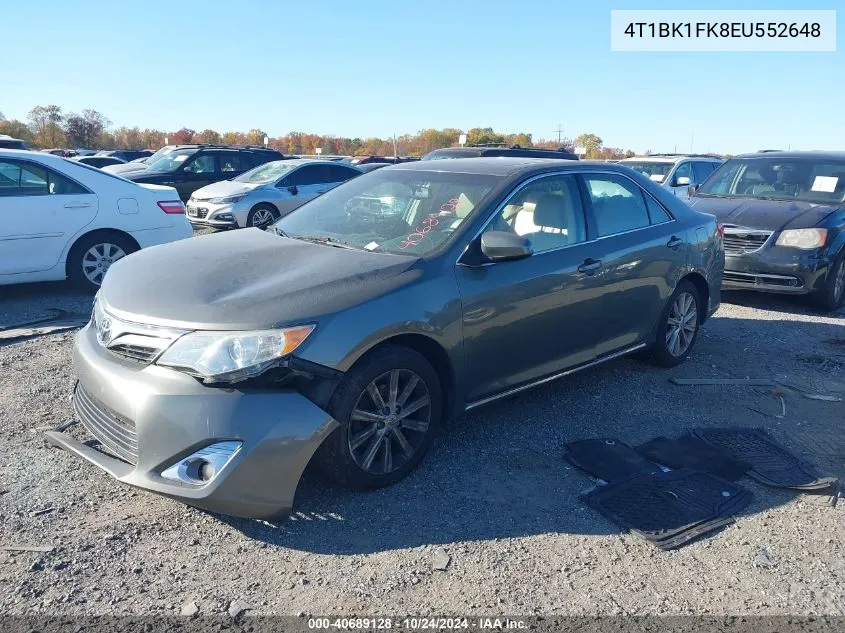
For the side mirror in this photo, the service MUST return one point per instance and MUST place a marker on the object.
(293, 190)
(691, 190)
(504, 246)
(682, 181)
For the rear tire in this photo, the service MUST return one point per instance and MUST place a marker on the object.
(389, 407)
(91, 257)
(830, 298)
(678, 327)
(261, 216)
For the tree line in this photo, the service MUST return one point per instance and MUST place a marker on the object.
(49, 127)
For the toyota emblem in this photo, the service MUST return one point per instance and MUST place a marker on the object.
(104, 331)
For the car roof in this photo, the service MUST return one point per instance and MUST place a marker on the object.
(503, 165)
(311, 161)
(819, 155)
(43, 157)
(671, 158)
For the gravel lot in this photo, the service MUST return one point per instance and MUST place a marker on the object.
(495, 496)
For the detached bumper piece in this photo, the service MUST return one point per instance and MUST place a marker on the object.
(666, 508)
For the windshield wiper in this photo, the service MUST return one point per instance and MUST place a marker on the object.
(325, 240)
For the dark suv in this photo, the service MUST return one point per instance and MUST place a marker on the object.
(475, 151)
(191, 167)
(7, 142)
(127, 155)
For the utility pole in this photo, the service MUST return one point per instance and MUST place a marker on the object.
(559, 131)
(395, 153)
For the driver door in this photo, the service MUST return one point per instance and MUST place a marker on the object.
(299, 186)
(527, 319)
(201, 170)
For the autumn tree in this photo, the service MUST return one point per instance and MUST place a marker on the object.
(16, 129)
(233, 138)
(210, 137)
(152, 139)
(254, 137)
(591, 143)
(522, 139)
(85, 130)
(182, 137)
(46, 125)
(483, 136)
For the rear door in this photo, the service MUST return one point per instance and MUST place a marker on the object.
(233, 163)
(40, 211)
(531, 318)
(642, 250)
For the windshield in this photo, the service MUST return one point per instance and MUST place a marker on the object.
(268, 172)
(650, 169)
(804, 179)
(171, 161)
(391, 210)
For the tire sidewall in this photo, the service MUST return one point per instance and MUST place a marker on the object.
(660, 352)
(338, 460)
(75, 272)
(258, 207)
(826, 299)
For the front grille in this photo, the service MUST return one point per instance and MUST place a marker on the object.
(761, 279)
(140, 353)
(741, 242)
(113, 431)
(201, 214)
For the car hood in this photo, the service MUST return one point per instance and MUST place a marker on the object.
(148, 174)
(247, 279)
(124, 168)
(223, 188)
(772, 215)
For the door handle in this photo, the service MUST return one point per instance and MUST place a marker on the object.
(590, 266)
(77, 205)
(675, 242)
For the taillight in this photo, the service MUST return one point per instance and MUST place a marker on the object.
(172, 206)
(720, 229)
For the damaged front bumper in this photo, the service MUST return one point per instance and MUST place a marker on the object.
(236, 452)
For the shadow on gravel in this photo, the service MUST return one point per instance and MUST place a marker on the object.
(499, 472)
(777, 303)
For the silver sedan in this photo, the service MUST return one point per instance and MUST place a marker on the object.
(262, 195)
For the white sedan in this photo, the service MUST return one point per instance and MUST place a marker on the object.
(61, 219)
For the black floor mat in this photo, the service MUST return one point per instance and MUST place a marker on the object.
(690, 452)
(609, 459)
(670, 508)
(771, 464)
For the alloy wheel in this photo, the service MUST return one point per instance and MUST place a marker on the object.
(98, 259)
(389, 422)
(262, 217)
(681, 325)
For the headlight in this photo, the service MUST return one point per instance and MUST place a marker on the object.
(803, 238)
(229, 199)
(232, 356)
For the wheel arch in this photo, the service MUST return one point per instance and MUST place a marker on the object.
(84, 236)
(703, 288)
(437, 357)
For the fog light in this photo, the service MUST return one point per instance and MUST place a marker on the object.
(204, 465)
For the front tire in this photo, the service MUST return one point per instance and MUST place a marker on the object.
(261, 216)
(830, 298)
(389, 407)
(677, 330)
(91, 257)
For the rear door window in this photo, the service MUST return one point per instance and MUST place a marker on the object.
(618, 204)
(337, 173)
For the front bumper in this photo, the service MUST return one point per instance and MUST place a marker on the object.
(777, 269)
(217, 215)
(174, 416)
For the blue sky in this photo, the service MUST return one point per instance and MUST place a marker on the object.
(375, 67)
